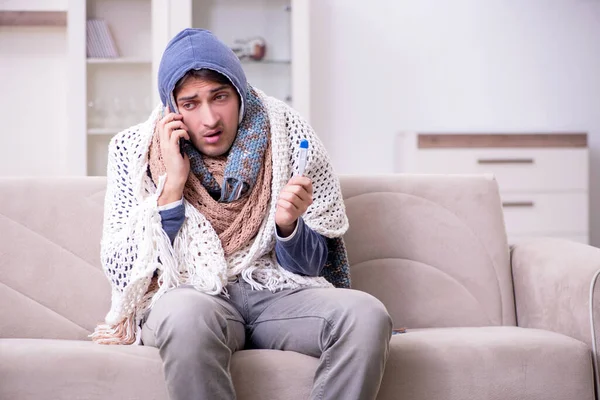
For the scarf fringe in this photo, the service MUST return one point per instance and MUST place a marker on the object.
(247, 275)
(158, 241)
(122, 333)
(273, 281)
(207, 277)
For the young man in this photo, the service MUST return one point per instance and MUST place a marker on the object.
(216, 240)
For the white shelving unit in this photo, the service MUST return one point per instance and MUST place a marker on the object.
(118, 90)
(109, 95)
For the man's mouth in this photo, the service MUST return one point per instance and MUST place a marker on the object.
(213, 133)
(213, 137)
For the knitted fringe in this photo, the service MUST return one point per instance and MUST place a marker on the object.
(210, 276)
(122, 333)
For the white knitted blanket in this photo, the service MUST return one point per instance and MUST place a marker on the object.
(134, 244)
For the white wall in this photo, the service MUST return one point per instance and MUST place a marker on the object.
(33, 102)
(462, 66)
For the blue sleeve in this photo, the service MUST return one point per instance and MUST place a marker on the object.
(304, 252)
(172, 220)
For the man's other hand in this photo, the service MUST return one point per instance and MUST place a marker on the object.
(293, 201)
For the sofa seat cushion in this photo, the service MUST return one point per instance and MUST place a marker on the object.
(70, 369)
(73, 369)
(492, 363)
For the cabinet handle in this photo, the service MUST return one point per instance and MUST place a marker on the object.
(518, 204)
(505, 161)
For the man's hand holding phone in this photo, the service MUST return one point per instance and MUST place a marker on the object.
(171, 131)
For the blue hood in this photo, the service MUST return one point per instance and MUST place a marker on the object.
(197, 49)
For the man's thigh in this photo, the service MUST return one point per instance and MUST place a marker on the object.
(178, 306)
(308, 320)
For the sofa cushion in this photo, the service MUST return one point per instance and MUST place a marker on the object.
(69, 369)
(491, 363)
(272, 375)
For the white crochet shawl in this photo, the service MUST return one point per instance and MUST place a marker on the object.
(134, 244)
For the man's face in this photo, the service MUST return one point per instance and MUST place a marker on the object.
(210, 110)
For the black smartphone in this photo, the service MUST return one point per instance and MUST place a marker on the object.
(183, 145)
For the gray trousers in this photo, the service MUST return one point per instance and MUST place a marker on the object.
(196, 334)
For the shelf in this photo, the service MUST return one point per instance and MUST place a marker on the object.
(103, 131)
(33, 18)
(119, 60)
(277, 62)
(34, 5)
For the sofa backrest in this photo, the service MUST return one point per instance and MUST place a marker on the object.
(432, 248)
(51, 282)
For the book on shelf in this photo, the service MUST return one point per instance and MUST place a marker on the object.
(100, 43)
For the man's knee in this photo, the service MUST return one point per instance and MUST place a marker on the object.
(186, 314)
(366, 314)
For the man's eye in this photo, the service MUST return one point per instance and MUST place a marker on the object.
(188, 106)
(221, 96)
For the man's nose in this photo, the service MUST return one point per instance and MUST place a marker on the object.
(208, 116)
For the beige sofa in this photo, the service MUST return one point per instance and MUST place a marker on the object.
(484, 323)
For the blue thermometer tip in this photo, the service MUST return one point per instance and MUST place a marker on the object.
(304, 144)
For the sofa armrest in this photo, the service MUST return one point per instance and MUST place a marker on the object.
(552, 286)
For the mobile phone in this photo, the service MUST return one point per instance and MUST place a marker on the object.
(183, 145)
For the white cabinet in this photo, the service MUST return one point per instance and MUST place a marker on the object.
(543, 178)
(108, 95)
